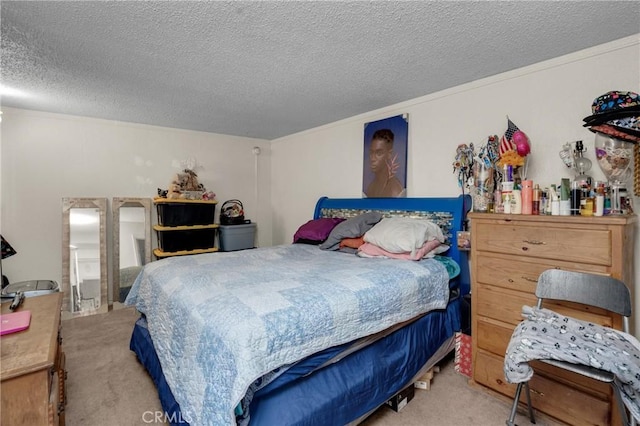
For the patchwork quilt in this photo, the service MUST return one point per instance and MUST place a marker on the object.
(545, 334)
(219, 321)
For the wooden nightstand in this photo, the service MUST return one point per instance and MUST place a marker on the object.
(32, 367)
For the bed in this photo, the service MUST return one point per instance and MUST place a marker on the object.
(338, 336)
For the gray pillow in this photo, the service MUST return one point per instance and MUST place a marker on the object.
(351, 228)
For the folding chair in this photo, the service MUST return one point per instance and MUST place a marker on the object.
(587, 289)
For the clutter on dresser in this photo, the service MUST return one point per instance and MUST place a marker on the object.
(615, 116)
(496, 176)
(493, 174)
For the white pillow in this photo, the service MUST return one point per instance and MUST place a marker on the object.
(403, 234)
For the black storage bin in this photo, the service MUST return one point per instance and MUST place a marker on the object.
(173, 240)
(184, 213)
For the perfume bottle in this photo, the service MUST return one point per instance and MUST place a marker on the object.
(535, 200)
(576, 197)
(527, 196)
(582, 166)
(599, 205)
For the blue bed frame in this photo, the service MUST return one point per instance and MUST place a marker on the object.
(398, 348)
(455, 207)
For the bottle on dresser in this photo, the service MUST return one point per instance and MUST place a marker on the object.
(598, 208)
(527, 197)
(507, 190)
(565, 197)
(536, 196)
(516, 201)
(554, 201)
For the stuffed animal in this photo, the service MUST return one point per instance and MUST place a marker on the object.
(174, 190)
(183, 183)
(189, 179)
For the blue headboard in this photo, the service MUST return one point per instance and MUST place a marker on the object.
(448, 213)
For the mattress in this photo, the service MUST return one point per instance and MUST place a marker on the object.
(312, 391)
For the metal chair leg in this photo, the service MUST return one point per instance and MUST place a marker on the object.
(623, 410)
(514, 407)
(516, 400)
(533, 419)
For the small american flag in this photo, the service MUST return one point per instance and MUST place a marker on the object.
(505, 140)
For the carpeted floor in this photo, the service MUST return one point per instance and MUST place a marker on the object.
(106, 385)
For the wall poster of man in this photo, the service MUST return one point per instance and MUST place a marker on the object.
(385, 158)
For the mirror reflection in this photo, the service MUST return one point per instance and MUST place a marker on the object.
(132, 243)
(84, 272)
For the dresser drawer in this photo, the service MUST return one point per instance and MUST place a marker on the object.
(521, 273)
(500, 304)
(506, 306)
(566, 403)
(493, 337)
(584, 245)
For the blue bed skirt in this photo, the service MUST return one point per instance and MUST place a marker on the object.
(340, 392)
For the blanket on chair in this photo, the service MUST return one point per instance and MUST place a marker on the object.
(545, 334)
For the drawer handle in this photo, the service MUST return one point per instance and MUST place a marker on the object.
(534, 242)
(536, 391)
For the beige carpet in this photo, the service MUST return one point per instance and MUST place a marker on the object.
(106, 385)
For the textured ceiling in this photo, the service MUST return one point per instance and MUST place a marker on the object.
(270, 69)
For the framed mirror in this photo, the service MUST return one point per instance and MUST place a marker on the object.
(84, 256)
(131, 242)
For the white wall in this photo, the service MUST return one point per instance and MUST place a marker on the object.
(547, 101)
(49, 156)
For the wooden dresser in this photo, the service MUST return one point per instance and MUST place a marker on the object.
(33, 389)
(508, 253)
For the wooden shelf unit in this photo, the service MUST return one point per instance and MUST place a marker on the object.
(188, 227)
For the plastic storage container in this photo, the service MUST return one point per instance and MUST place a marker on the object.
(186, 238)
(237, 237)
(185, 212)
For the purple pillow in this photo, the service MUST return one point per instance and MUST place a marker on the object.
(316, 230)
